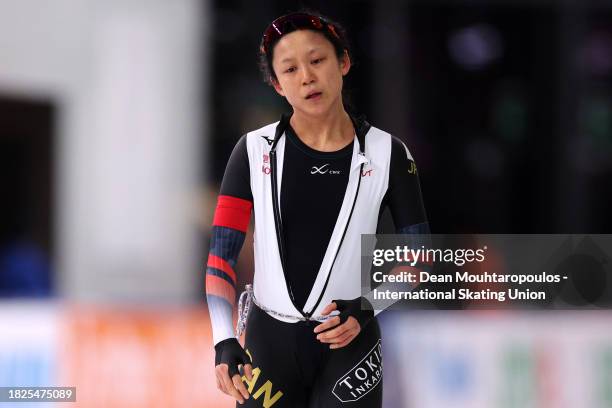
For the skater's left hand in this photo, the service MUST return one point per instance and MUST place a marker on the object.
(341, 329)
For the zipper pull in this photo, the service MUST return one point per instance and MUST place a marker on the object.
(362, 159)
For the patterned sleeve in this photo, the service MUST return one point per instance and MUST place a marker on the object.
(230, 223)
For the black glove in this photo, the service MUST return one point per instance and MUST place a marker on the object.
(354, 308)
(230, 352)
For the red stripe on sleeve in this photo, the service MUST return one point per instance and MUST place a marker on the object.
(220, 287)
(233, 212)
(220, 263)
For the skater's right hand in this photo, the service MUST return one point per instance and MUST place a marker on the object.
(229, 356)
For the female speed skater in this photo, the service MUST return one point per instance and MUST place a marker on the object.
(315, 181)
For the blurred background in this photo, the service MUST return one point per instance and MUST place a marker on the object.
(117, 118)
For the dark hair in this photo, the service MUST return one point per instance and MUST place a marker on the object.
(335, 34)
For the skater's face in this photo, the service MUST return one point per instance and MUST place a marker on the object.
(308, 71)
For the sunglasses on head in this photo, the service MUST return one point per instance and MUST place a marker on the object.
(292, 22)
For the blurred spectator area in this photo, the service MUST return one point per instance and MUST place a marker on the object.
(26, 188)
